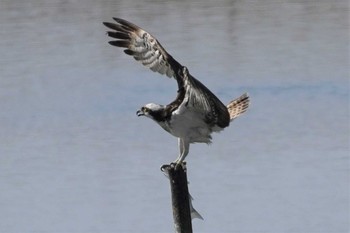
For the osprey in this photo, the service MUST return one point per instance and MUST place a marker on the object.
(196, 112)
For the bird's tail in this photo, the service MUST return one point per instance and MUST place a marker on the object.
(238, 106)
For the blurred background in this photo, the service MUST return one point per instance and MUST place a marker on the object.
(74, 157)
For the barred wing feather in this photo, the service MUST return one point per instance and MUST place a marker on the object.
(144, 47)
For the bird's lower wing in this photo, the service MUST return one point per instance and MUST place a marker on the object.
(203, 101)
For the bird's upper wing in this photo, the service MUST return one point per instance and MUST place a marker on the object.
(142, 46)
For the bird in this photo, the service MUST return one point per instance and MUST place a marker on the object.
(196, 112)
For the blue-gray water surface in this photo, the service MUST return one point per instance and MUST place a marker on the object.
(74, 157)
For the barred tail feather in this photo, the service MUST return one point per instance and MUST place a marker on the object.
(238, 106)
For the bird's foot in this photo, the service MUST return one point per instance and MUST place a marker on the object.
(175, 164)
(178, 164)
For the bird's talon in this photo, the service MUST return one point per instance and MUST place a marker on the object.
(180, 164)
(177, 166)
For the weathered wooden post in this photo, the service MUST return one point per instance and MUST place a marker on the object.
(180, 197)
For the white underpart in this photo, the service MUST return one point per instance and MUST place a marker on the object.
(189, 126)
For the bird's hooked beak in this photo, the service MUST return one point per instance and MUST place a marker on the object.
(140, 113)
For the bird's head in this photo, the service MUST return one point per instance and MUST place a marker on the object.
(153, 111)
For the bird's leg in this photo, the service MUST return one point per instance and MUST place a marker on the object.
(180, 144)
(184, 147)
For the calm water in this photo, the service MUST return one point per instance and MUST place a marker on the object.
(75, 158)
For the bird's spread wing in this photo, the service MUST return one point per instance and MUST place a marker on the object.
(142, 46)
(145, 48)
(203, 101)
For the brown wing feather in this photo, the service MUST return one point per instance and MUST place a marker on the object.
(205, 102)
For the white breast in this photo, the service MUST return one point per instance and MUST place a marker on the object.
(188, 124)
